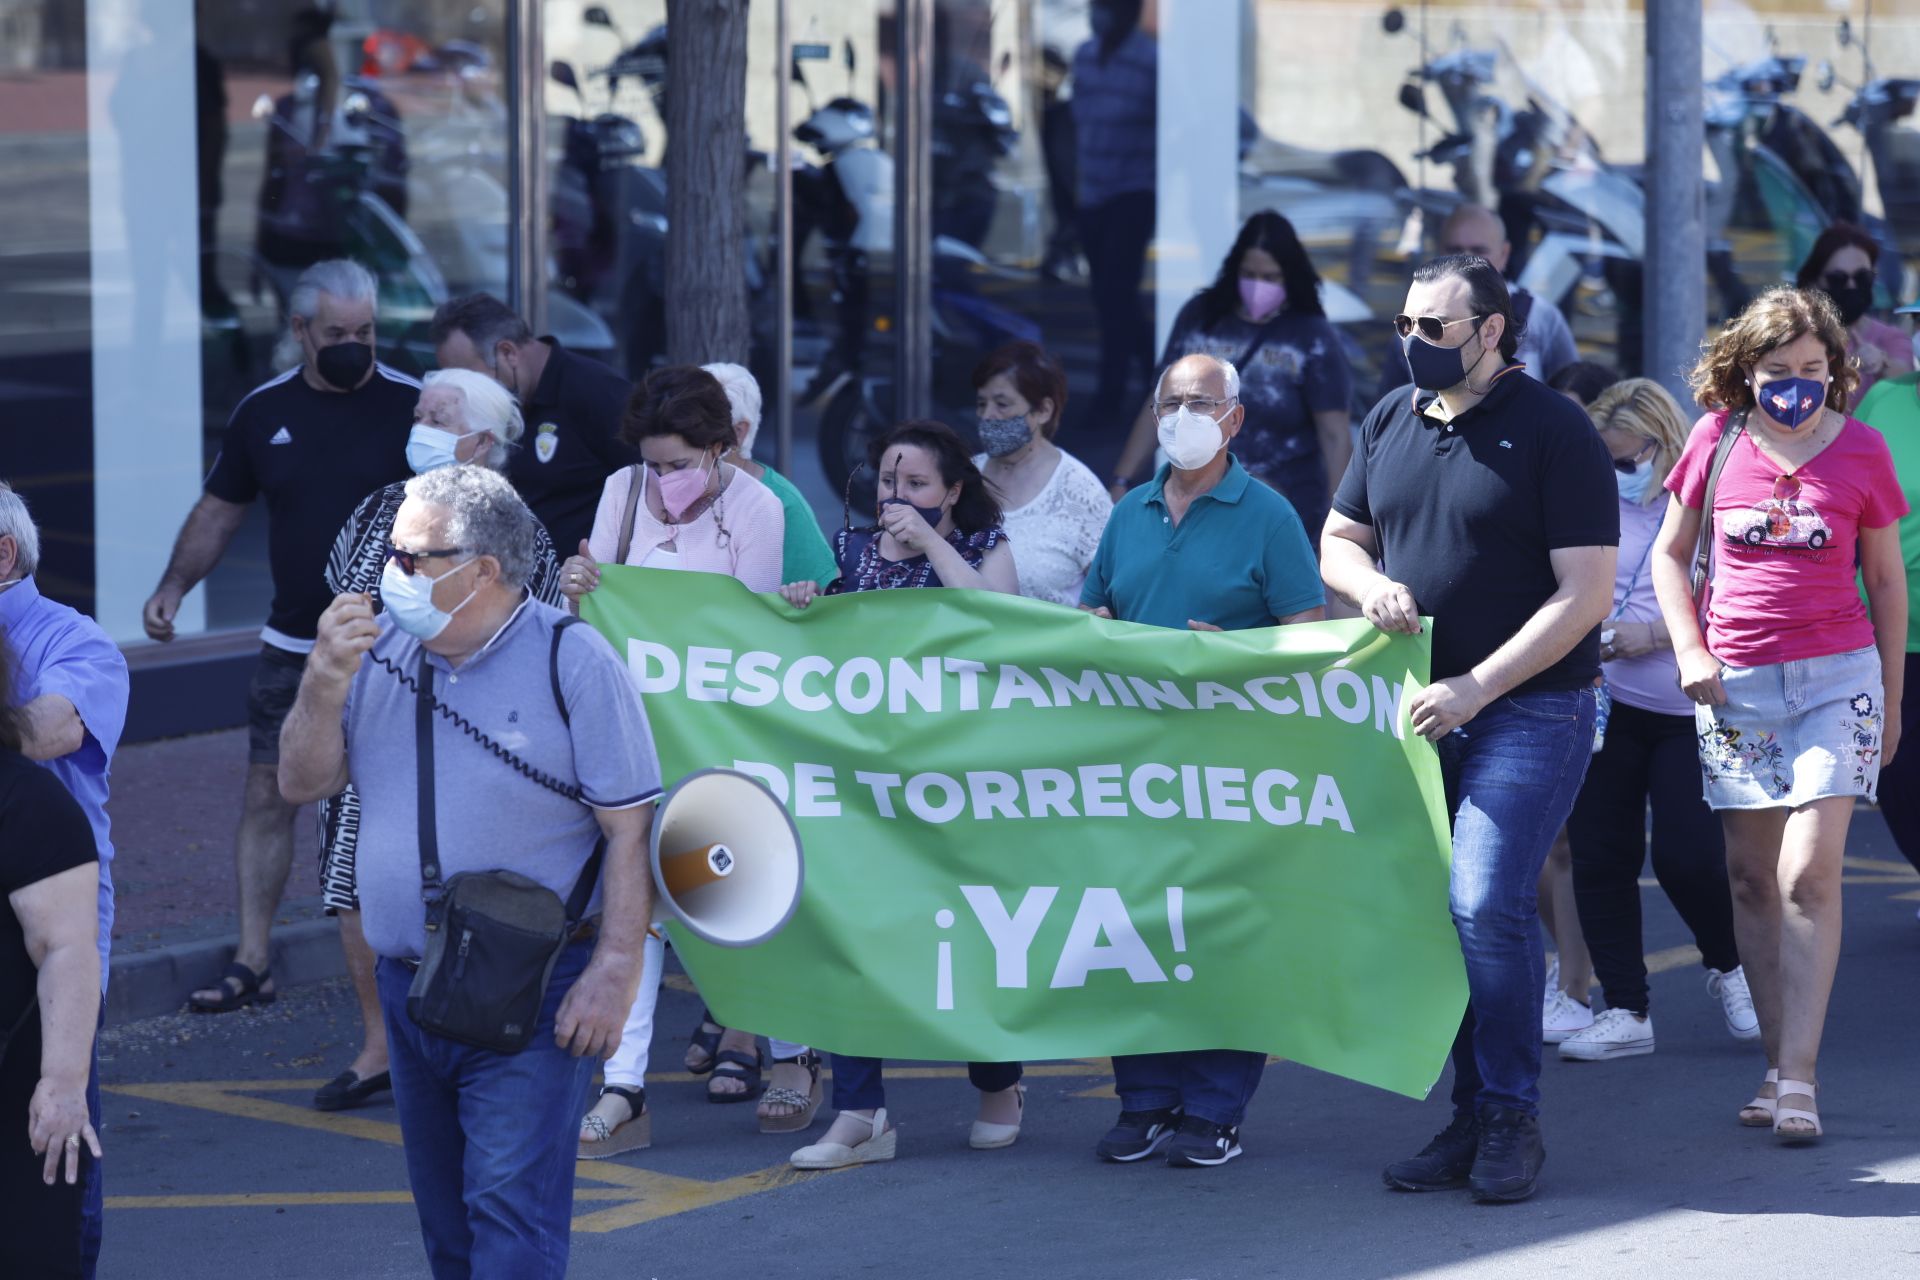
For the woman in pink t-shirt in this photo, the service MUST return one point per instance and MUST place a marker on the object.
(1796, 685)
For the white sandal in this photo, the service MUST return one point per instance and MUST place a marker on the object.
(988, 1136)
(1782, 1115)
(1765, 1106)
(837, 1155)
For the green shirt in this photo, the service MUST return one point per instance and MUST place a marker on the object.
(1892, 408)
(1239, 558)
(804, 555)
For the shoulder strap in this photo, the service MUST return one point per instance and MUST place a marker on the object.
(1522, 303)
(636, 490)
(1253, 348)
(589, 873)
(429, 834)
(1703, 546)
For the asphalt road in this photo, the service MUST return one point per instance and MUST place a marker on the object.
(218, 1168)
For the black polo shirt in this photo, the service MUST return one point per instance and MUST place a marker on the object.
(315, 455)
(1465, 513)
(572, 444)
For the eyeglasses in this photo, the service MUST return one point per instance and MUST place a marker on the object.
(1861, 279)
(1432, 328)
(1205, 406)
(409, 560)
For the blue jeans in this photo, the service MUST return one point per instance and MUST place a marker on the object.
(1212, 1084)
(858, 1083)
(1511, 774)
(490, 1137)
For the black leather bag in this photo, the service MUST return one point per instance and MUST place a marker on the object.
(492, 936)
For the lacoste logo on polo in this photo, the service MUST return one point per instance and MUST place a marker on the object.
(282, 436)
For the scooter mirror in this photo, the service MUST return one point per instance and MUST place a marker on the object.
(596, 16)
(1827, 76)
(562, 73)
(846, 55)
(1413, 98)
(1393, 22)
(1844, 33)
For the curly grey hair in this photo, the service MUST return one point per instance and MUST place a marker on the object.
(16, 522)
(485, 517)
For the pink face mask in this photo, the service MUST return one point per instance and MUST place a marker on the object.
(1262, 298)
(681, 489)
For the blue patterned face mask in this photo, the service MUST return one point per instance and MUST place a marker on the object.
(1791, 402)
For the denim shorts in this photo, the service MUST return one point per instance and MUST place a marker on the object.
(1793, 732)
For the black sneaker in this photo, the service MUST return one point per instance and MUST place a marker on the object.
(1201, 1144)
(1510, 1157)
(1442, 1164)
(1137, 1135)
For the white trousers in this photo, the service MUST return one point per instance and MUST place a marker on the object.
(627, 1067)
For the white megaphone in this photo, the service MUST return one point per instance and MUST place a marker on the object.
(726, 858)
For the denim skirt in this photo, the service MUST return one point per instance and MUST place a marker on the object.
(1793, 732)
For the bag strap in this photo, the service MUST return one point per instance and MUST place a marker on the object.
(590, 873)
(1253, 348)
(429, 825)
(635, 491)
(1703, 546)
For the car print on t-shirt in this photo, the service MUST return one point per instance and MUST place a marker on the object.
(1782, 521)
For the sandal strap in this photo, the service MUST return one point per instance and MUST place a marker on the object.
(782, 1096)
(597, 1127)
(742, 1066)
(636, 1097)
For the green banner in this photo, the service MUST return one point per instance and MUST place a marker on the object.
(1031, 833)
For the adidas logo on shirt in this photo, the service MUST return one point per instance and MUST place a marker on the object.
(282, 436)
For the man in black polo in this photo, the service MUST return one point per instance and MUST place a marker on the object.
(1487, 501)
(572, 405)
(314, 441)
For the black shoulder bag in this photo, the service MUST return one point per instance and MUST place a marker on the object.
(492, 936)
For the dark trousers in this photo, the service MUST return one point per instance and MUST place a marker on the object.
(40, 1225)
(1900, 781)
(1115, 236)
(93, 1217)
(1214, 1085)
(859, 1084)
(1649, 759)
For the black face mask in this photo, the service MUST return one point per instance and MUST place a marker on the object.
(1851, 301)
(344, 364)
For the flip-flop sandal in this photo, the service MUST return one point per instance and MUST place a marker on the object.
(734, 1065)
(248, 993)
(707, 1042)
(599, 1141)
(808, 1102)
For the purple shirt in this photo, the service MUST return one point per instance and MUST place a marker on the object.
(1651, 681)
(60, 650)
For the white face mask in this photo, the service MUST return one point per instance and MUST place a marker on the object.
(1190, 439)
(1633, 484)
(409, 598)
(430, 448)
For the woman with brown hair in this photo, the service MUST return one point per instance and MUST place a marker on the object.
(1054, 508)
(1796, 684)
(1842, 264)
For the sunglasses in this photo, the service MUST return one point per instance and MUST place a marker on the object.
(1432, 328)
(410, 560)
(1861, 279)
(1626, 466)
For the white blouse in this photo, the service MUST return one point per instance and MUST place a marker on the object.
(1055, 535)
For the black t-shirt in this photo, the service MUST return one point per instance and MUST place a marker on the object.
(315, 455)
(572, 444)
(43, 831)
(1465, 513)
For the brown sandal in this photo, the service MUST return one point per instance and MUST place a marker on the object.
(808, 1102)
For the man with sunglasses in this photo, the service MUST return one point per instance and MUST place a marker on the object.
(1546, 341)
(1486, 501)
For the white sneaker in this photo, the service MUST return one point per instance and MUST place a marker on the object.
(1616, 1033)
(1564, 1016)
(1736, 1002)
(1552, 987)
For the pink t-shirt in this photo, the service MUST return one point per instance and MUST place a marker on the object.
(1783, 559)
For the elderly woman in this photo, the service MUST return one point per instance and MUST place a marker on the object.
(49, 1001)
(462, 417)
(687, 508)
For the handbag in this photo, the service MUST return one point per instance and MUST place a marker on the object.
(493, 937)
(1703, 546)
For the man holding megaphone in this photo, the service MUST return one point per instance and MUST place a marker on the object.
(506, 771)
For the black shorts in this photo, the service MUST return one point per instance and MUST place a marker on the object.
(276, 679)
